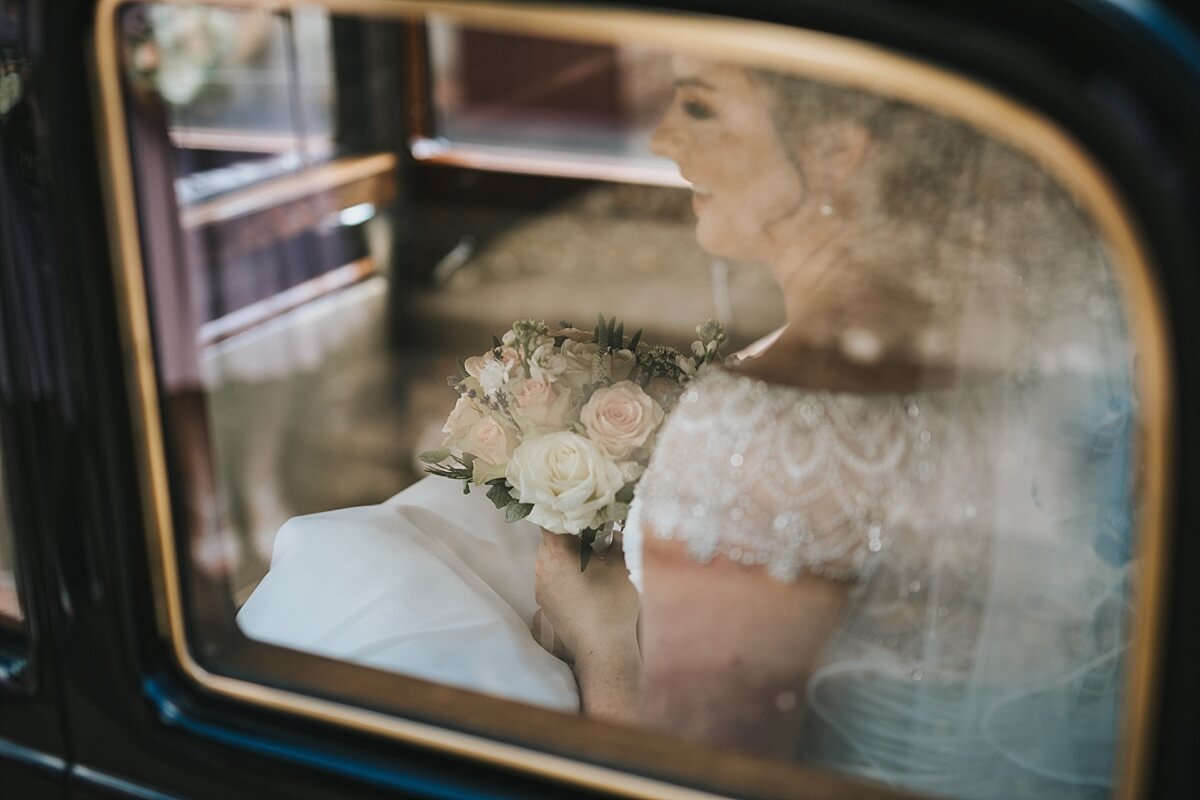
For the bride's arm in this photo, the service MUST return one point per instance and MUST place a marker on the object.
(727, 650)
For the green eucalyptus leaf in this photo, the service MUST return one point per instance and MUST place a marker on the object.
(435, 456)
(626, 493)
(615, 512)
(499, 495)
(516, 510)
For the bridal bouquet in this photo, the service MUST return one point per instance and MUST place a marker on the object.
(559, 423)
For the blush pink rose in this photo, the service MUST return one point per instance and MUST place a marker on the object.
(620, 418)
(539, 402)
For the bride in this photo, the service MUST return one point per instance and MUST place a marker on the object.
(893, 543)
(885, 544)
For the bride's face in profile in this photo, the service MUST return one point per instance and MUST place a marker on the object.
(746, 187)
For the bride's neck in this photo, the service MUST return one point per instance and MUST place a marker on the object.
(805, 270)
(852, 322)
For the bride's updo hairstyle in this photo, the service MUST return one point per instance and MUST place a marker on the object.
(961, 250)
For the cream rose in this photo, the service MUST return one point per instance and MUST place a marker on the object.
(621, 417)
(623, 362)
(567, 478)
(539, 403)
(464, 416)
(490, 440)
(579, 358)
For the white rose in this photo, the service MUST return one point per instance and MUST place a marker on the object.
(567, 478)
(465, 414)
(621, 417)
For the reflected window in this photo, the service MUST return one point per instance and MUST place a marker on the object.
(787, 420)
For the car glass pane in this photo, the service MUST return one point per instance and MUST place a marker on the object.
(787, 415)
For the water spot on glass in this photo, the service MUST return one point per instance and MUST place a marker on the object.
(735, 553)
(918, 674)
(875, 545)
(736, 460)
(925, 436)
(914, 587)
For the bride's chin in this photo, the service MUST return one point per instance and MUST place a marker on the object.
(718, 243)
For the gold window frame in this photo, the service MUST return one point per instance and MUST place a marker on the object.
(817, 55)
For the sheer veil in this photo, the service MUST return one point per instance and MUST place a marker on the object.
(982, 656)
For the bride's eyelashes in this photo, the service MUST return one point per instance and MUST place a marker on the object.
(698, 110)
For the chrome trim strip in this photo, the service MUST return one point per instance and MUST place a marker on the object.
(98, 778)
(31, 757)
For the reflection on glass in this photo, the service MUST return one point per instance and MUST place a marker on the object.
(11, 615)
(532, 93)
(892, 540)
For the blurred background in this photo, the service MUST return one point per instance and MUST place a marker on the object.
(334, 211)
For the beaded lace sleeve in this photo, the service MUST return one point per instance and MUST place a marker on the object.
(797, 481)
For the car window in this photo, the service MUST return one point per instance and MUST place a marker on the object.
(644, 400)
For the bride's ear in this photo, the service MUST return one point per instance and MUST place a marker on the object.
(845, 145)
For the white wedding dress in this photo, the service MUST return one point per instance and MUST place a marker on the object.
(985, 530)
(430, 584)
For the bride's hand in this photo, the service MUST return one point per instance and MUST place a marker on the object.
(593, 613)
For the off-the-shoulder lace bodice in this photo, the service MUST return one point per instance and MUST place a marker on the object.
(802, 481)
(980, 644)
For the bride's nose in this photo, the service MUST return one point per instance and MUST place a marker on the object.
(667, 139)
